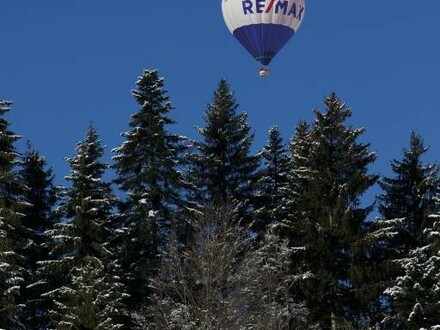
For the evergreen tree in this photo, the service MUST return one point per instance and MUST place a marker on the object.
(39, 217)
(330, 176)
(272, 180)
(289, 209)
(222, 168)
(41, 193)
(405, 205)
(11, 211)
(409, 195)
(147, 166)
(416, 294)
(83, 275)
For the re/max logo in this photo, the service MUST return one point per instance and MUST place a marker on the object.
(265, 6)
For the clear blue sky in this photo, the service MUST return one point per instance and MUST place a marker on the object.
(67, 63)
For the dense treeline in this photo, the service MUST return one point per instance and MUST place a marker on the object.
(203, 234)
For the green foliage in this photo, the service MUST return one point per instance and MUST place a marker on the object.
(416, 293)
(12, 269)
(41, 192)
(222, 168)
(284, 243)
(147, 164)
(82, 273)
(38, 218)
(330, 174)
(409, 194)
(405, 205)
(298, 173)
(93, 298)
(272, 181)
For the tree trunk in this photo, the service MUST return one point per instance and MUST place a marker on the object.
(333, 321)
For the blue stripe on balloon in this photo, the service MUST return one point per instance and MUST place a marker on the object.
(263, 41)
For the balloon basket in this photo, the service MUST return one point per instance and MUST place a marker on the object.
(264, 72)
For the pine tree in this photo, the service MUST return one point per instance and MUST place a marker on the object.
(93, 298)
(409, 195)
(82, 275)
(147, 166)
(289, 209)
(41, 192)
(11, 211)
(272, 180)
(222, 167)
(39, 217)
(416, 293)
(405, 205)
(330, 177)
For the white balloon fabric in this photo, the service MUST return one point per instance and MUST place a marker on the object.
(263, 27)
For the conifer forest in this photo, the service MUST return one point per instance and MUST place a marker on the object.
(204, 233)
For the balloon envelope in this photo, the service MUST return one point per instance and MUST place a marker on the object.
(263, 27)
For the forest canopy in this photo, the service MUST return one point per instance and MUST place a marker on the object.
(207, 234)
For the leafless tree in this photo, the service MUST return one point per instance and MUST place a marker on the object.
(224, 279)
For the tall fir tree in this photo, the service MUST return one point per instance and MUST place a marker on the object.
(289, 209)
(330, 178)
(416, 293)
(147, 166)
(409, 194)
(41, 192)
(12, 271)
(405, 205)
(39, 217)
(83, 275)
(223, 170)
(272, 180)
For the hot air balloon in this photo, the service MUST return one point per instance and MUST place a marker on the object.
(263, 27)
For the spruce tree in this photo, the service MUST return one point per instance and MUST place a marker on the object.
(416, 293)
(221, 167)
(330, 178)
(289, 209)
(82, 275)
(41, 193)
(272, 180)
(12, 206)
(405, 205)
(409, 194)
(147, 166)
(39, 217)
